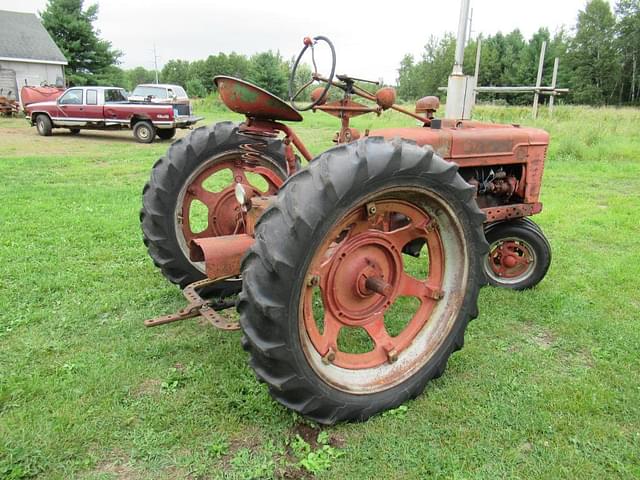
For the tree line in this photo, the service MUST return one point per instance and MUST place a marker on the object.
(599, 58)
(599, 61)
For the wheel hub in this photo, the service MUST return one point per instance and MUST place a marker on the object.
(224, 216)
(510, 259)
(367, 263)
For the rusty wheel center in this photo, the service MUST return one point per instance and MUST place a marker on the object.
(213, 186)
(361, 274)
(225, 216)
(363, 267)
(511, 259)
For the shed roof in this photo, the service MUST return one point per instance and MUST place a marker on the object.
(24, 38)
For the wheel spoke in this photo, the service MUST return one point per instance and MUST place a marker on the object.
(329, 338)
(404, 235)
(198, 192)
(378, 333)
(412, 287)
(239, 175)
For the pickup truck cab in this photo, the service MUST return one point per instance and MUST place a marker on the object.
(106, 108)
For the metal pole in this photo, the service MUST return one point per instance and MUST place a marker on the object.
(554, 77)
(536, 97)
(155, 62)
(476, 72)
(462, 37)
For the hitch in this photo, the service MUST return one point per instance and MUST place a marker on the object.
(199, 307)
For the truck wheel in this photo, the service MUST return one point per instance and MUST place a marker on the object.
(144, 131)
(198, 175)
(43, 125)
(74, 131)
(338, 322)
(519, 254)
(166, 133)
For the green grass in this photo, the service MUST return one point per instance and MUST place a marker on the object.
(547, 386)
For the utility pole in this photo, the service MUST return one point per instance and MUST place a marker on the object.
(470, 26)
(155, 62)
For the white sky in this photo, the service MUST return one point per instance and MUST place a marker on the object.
(369, 43)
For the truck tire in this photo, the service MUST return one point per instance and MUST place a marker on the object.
(519, 254)
(205, 151)
(333, 226)
(166, 133)
(43, 125)
(144, 131)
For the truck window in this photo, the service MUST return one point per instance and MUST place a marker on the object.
(148, 91)
(72, 97)
(92, 97)
(114, 95)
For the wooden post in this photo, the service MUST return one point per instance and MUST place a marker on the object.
(536, 97)
(554, 78)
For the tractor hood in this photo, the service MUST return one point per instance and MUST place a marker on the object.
(457, 140)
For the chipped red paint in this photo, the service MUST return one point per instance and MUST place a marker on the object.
(252, 101)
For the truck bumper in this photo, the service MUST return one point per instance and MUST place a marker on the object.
(186, 121)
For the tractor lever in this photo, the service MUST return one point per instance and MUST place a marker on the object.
(348, 79)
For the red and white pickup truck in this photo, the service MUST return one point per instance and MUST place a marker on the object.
(106, 108)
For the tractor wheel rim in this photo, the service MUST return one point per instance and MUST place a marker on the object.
(510, 260)
(224, 216)
(363, 246)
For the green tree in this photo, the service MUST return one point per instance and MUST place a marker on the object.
(408, 80)
(628, 29)
(71, 27)
(269, 71)
(195, 88)
(593, 55)
(138, 75)
(176, 72)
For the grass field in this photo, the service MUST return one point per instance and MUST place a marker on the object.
(547, 386)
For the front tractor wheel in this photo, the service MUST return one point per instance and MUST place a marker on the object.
(519, 254)
(190, 193)
(339, 322)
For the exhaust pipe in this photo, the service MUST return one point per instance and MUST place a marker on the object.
(221, 255)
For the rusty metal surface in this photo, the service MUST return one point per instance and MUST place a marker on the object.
(428, 106)
(363, 275)
(252, 101)
(386, 97)
(197, 306)
(221, 255)
(257, 208)
(506, 212)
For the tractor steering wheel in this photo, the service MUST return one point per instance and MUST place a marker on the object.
(308, 42)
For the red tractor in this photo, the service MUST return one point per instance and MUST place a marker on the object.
(355, 276)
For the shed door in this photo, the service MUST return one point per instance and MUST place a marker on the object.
(8, 83)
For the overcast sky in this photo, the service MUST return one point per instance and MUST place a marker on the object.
(369, 43)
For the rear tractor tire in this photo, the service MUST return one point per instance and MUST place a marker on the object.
(338, 321)
(198, 174)
(519, 254)
(144, 131)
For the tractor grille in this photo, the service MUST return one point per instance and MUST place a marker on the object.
(182, 108)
